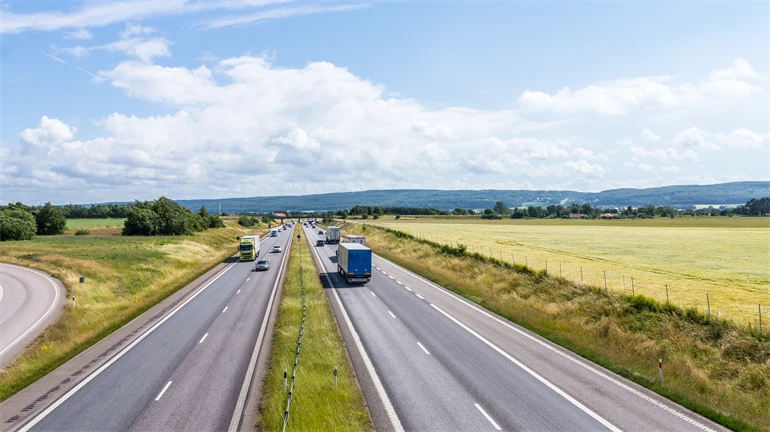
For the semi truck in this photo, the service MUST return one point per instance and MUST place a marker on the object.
(249, 248)
(352, 238)
(332, 235)
(354, 262)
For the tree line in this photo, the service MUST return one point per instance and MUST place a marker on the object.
(22, 222)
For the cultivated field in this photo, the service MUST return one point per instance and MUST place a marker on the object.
(726, 258)
(94, 223)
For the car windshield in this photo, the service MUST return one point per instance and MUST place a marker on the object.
(261, 262)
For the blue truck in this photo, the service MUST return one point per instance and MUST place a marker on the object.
(354, 262)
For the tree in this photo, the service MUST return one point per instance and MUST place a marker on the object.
(141, 222)
(266, 220)
(459, 211)
(203, 212)
(502, 208)
(246, 221)
(17, 224)
(398, 216)
(519, 213)
(215, 221)
(50, 220)
(172, 218)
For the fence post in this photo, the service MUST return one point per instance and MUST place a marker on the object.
(559, 269)
(581, 274)
(760, 320)
(632, 286)
(284, 379)
(513, 259)
(660, 370)
(335, 376)
(666, 293)
(605, 282)
(708, 305)
(624, 283)
(546, 267)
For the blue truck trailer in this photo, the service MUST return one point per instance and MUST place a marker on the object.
(354, 262)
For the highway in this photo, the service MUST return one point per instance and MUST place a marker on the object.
(30, 301)
(432, 361)
(187, 372)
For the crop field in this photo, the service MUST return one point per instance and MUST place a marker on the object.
(94, 223)
(727, 259)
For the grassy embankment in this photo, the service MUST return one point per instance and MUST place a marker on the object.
(125, 276)
(316, 404)
(726, 258)
(711, 366)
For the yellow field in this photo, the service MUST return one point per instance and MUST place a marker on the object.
(726, 258)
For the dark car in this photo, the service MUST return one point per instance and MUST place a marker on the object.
(320, 232)
(319, 243)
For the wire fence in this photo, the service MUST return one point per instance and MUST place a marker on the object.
(611, 279)
(299, 344)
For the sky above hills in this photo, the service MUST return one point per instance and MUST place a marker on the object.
(115, 101)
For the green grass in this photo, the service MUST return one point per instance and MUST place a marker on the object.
(713, 367)
(94, 223)
(316, 404)
(726, 258)
(124, 276)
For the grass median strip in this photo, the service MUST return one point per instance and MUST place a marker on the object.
(713, 366)
(124, 276)
(316, 403)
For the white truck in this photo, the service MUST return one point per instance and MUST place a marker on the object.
(274, 232)
(332, 235)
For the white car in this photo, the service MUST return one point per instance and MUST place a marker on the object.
(276, 249)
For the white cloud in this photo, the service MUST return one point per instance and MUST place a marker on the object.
(742, 138)
(50, 131)
(741, 69)
(81, 34)
(663, 154)
(585, 168)
(669, 169)
(695, 138)
(99, 14)
(619, 97)
(649, 135)
(240, 20)
(646, 167)
(132, 43)
(739, 138)
(136, 30)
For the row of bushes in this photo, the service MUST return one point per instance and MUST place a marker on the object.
(250, 221)
(166, 217)
(19, 222)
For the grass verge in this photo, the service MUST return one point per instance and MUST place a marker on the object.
(316, 403)
(712, 366)
(125, 276)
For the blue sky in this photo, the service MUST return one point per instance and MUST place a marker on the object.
(215, 99)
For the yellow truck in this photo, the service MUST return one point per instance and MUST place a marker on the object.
(249, 247)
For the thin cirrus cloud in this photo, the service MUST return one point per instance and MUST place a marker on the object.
(132, 43)
(100, 14)
(240, 20)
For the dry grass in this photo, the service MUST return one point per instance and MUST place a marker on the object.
(728, 258)
(316, 404)
(124, 277)
(712, 366)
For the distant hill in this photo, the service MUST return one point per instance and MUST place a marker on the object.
(724, 193)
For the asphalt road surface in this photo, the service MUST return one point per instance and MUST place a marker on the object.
(185, 373)
(445, 364)
(30, 301)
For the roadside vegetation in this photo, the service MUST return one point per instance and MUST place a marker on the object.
(317, 405)
(725, 259)
(712, 366)
(124, 276)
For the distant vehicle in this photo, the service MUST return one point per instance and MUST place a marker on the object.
(285, 228)
(352, 238)
(332, 234)
(273, 232)
(320, 232)
(319, 242)
(249, 248)
(262, 265)
(276, 249)
(354, 262)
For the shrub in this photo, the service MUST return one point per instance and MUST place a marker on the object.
(82, 231)
(50, 220)
(141, 222)
(17, 224)
(215, 222)
(398, 216)
(246, 221)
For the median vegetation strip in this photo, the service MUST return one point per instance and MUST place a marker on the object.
(317, 404)
(712, 366)
(124, 276)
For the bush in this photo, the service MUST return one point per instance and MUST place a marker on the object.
(398, 216)
(376, 216)
(215, 222)
(364, 216)
(17, 224)
(246, 221)
(141, 222)
(82, 231)
(172, 218)
(50, 220)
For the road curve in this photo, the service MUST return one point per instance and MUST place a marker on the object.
(30, 301)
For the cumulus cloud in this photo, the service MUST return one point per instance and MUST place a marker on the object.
(81, 34)
(619, 97)
(49, 132)
(650, 135)
(739, 138)
(695, 138)
(663, 154)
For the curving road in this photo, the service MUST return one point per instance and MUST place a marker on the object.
(30, 301)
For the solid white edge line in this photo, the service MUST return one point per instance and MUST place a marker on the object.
(391, 314)
(50, 309)
(238, 292)
(582, 364)
(117, 356)
(537, 376)
(203, 338)
(247, 279)
(373, 294)
(390, 411)
(241, 403)
(225, 309)
(487, 416)
(423, 348)
(160, 395)
(421, 297)
(1, 293)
